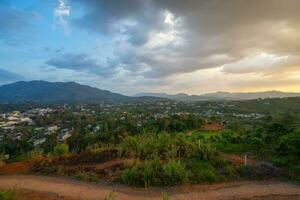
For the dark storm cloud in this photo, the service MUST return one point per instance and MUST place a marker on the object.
(212, 33)
(102, 15)
(80, 62)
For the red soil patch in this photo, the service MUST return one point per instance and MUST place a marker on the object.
(35, 195)
(104, 167)
(112, 164)
(16, 168)
(212, 127)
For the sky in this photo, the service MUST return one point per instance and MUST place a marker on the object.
(172, 46)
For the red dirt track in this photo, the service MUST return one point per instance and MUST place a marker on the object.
(224, 191)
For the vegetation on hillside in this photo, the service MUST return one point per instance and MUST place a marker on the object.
(140, 146)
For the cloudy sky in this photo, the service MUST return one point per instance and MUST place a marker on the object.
(131, 46)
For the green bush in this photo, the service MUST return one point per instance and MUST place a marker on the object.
(174, 172)
(289, 145)
(133, 176)
(280, 160)
(205, 152)
(8, 195)
(288, 154)
(147, 148)
(184, 147)
(294, 172)
(201, 171)
(130, 146)
(153, 173)
(255, 143)
(148, 174)
(163, 145)
(31, 155)
(60, 150)
(231, 171)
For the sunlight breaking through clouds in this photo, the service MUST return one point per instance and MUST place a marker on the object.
(61, 13)
(156, 43)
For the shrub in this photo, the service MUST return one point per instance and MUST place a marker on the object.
(61, 149)
(201, 171)
(207, 175)
(165, 146)
(150, 146)
(152, 173)
(130, 146)
(205, 152)
(255, 143)
(288, 154)
(289, 145)
(174, 172)
(147, 148)
(34, 155)
(8, 195)
(184, 147)
(280, 161)
(230, 171)
(133, 176)
(294, 172)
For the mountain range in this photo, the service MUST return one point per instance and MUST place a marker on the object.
(222, 95)
(57, 92)
(71, 92)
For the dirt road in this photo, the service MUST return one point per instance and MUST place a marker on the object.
(79, 190)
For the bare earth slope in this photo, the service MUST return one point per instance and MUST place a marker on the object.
(77, 190)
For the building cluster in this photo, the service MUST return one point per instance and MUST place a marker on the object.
(9, 121)
(12, 125)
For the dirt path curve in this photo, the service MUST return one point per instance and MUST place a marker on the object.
(78, 190)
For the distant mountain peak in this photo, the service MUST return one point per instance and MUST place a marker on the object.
(54, 92)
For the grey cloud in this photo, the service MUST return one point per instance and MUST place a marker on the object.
(208, 29)
(101, 15)
(79, 62)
